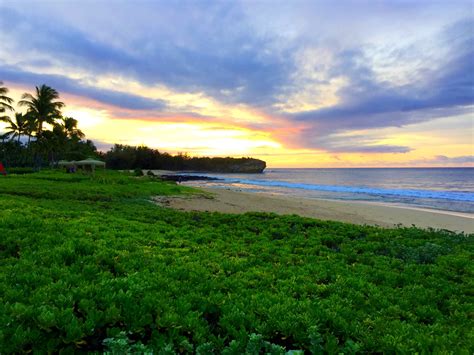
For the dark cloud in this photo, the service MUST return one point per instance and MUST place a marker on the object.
(350, 144)
(63, 84)
(367, 103)
(231, 65)
(453, 160)
(376, 148)
(443, 160)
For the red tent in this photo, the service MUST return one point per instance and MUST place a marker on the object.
(2, 169)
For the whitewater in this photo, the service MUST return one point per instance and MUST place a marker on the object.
(450, 189)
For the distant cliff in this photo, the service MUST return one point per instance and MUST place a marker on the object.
(126, 157)
(228, 165)
(248, 166)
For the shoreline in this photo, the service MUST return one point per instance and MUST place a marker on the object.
(408, 207)
(391, 205)
(356, 212)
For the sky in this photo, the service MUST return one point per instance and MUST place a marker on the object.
(295, 83)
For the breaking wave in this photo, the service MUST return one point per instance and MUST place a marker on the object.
(432, 194)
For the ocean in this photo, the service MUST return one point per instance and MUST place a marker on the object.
(449, 189)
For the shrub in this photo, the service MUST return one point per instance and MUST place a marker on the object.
(138, 172)
(88, 263)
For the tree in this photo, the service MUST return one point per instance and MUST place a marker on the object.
(18, 127)
(5, 102)
(44, 107)
(4, 137)
(61, 140)
(70, 127)
(31, 127)
(54, 142)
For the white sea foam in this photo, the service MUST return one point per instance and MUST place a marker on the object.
(450, 189)
(445, 195)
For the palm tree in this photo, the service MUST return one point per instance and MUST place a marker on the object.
(43, 107)
(4, 137)
(31, 127)
(70, 127)
(5, 101)
(17, 127)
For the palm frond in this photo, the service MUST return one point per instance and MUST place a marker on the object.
(6, 98)
(5, 101)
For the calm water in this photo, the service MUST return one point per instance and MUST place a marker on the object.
(449, 189)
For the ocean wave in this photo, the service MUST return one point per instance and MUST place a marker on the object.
(443, 195)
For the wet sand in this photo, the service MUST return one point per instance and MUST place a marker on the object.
(228, 201)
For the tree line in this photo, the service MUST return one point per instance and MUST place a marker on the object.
(43, 136)
(48, 136)
(126, 157)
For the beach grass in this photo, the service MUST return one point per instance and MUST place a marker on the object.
(89, 263)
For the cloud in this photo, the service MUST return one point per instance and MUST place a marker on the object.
(376, 148)
(340, 143)
(450, 85)
(389, 70)
(213, 56)
(446, 89)
(453, 160)
(443, 160)
(64, 84)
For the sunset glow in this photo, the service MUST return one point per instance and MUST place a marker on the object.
(370, 87)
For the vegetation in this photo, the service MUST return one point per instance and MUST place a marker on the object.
(5, 101)
(90, 264)
(44, 107)
(127, 158)
(65, 141)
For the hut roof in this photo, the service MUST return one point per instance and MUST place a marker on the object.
(66, 163)
(90, 162)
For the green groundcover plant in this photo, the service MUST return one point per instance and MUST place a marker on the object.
(90, 264)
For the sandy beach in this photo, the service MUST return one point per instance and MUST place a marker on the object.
(228, 201)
